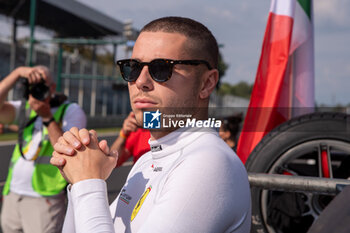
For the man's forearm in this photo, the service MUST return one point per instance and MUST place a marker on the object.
(7, 111)
(54, 131)
(6, 85)
(91, 210)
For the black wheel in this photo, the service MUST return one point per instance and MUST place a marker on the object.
(317, 145)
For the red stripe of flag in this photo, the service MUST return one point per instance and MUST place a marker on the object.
(263, 114)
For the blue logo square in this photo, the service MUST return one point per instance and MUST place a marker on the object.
(151, 120)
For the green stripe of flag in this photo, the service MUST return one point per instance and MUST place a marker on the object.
(306, 5)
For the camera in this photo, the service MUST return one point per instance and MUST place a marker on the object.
(39, 91)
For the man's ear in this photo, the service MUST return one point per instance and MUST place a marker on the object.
(209, 81)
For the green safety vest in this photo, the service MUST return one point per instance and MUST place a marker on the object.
(46, 178)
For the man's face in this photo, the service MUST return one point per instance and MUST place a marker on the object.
(180, 91)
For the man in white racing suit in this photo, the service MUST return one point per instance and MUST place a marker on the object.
(190, 181)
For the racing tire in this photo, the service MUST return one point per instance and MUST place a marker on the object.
(293, 148)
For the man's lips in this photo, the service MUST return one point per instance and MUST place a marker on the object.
(144, 103)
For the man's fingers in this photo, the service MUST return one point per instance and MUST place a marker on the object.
(93, 136)
(129, 127)
(31, 78)
(34, 76)
(131, 115)
(63, 149)
(84, 136)
(71, 139)
(37, 76)
(94, 144)
(133, 127)
(130, 120)
(114, 154)
(113, 157)
(133, 121)
(42, 74)
(57, 160)
(104, 147)
(62, 141)
(75, 131)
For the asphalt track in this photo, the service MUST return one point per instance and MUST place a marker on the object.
(114, 183)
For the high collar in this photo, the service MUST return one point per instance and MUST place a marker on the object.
(176, 140)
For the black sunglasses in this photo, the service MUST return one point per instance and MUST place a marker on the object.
(159, 69)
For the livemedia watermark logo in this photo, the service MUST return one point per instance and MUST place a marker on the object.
(151, 119)
(157, 120)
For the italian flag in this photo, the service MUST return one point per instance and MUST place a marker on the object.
(284, 84)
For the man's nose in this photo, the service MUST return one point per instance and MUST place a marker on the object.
(145, 81)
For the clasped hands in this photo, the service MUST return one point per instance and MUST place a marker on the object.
(80, 156)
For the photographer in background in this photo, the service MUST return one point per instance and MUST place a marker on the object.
(34, 194)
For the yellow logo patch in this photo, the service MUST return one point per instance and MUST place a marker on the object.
(139, 203)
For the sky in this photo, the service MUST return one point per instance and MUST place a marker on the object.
(240, 25)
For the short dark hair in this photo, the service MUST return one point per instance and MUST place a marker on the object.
(202, 42)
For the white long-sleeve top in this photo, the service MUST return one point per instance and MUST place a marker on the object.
(21, 182)
(188, 182)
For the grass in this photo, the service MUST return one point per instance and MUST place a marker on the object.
(8, 136)
(13, 136)
(108, 130)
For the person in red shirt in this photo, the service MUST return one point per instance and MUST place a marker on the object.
(132, 141)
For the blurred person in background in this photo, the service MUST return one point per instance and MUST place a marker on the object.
(229, 130)
(34, 198)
